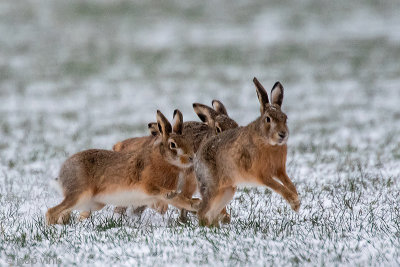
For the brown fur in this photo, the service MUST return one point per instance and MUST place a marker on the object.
(94, 178)
(197, 133)
(252, 154)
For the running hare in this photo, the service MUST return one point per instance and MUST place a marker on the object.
(94, 178)
(216, 120)
(254, 154)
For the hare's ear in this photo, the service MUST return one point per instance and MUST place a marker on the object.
(219, 107)
(178, 122)
(153, 128)
(164, 126)
(205, 113)
(261, 94)
(277, 94)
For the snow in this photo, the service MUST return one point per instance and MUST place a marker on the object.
(76, 75)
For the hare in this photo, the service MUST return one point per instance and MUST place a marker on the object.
(94, 178)
(254, 154)
(216, 120)
(134, 143)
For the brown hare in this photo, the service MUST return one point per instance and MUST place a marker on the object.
(254, 154)
(94, 178)
(135, 143)
(215, 120)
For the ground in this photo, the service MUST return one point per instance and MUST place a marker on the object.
(85, 74)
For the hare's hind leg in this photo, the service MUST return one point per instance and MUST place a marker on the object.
(60, 214)
(86, 213)
(212, 208)
(224, 196)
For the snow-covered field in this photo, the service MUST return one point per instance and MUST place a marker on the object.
(85, 74)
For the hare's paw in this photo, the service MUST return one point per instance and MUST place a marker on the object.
(83, 215)
(50, 219)
(160, 207)
(171, 194)
(226, 218)
(195, 203)
(138, 210)
(120, 210)
(295, 205)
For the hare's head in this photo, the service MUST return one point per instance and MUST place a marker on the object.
(174, 147)
(216, 118)
(273, 120)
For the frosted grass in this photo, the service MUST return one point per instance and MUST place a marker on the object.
(86, 74)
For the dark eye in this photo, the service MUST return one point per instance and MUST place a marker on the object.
(172, 145)
(219, 130)
(268, 119)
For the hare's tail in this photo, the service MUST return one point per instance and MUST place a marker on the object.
(55, 184)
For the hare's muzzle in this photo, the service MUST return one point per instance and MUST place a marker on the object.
(283, 137)
(186, 160)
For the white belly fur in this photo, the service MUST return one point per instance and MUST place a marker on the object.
(248, 184)
(243, 182)
(126, 198)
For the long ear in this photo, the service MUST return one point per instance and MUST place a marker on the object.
(153, 128)
(219, 107)
(261, 94)
(205, 113)
(277, 94)
(178, 122)
(163, 125)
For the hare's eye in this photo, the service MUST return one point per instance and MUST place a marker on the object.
(219, 130)
(172, 145)
(268, 119)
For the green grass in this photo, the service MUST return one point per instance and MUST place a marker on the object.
(78, 75)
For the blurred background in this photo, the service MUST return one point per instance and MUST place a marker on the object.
(85, 74)
(94, 72)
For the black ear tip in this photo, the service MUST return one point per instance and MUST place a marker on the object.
(195, 105)
(278, 84)
(177, 112)
(215, 101)
(255, 80)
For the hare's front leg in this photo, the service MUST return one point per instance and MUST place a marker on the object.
(120, 210)
(225, 216)
(284, 178)
(290, 196)
(160, 207)
(183, 202)
(136, 211)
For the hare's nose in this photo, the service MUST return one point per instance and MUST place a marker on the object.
(282, 134)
